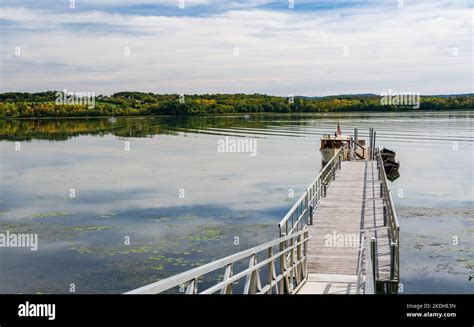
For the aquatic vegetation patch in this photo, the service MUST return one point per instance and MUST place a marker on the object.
(161, 219)
(51, 214)
(155, 258)
(433, 213)
(188, 217)
(208, 234)
(80, 249)
(129, 249)
(91, 228)
(107, 216)
(161, 267)
(469, 264)
(16, 228)
(44, 231)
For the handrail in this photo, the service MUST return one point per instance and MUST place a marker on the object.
(301, 213)
(360, 267)
(360, 146)
(288, 278)
(365, 278)
(391, 215)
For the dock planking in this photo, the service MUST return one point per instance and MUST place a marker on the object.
(353, 204)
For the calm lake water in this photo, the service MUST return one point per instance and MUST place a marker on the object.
(90, 187)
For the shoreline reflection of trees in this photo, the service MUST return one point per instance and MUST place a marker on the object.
(64, 129)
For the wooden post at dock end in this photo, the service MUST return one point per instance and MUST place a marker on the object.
(370, 143)
(375, 134)
(385, 215)
(350, 155)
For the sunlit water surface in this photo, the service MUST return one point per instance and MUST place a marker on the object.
(119, 205)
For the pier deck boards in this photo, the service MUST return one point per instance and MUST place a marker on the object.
(353, 203)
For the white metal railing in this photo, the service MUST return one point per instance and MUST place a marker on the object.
(365, 269)
(390, 219)
(355, 145)
(284, 264)
(301, 213)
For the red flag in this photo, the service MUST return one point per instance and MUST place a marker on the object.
(338, 130)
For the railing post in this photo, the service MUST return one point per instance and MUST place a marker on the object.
(381, 188)
(370, 143)
(392, 260)
(373, 256)
(292, 220)
(227, 289)
(311, 214)
(307, 201)
(324, 190)
(340, 160)
(252, 282)
(299, 256)
(192, 287)
(282, 288)
(350, 150)
(291, 269)
(375, 133)
(398, 257)
(305, 252)
(385, 215)
(270, 270)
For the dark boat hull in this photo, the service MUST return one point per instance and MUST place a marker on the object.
(387, 154)
(391, 166)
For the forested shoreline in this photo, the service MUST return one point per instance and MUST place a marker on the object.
(45, 104)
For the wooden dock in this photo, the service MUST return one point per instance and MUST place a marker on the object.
(340, 237)
(353, 204)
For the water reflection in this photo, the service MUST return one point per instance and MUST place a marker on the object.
(135, 194)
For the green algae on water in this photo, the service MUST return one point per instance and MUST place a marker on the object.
(51, 214)
(91, 228)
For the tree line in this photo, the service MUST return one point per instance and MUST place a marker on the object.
(45, 104)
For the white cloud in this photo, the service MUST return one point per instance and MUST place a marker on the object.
(280, 52)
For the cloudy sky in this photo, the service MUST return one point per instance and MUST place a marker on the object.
(277, 47)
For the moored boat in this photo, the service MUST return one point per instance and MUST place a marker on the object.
(387, 154)
(390, 166)
(330, 144)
